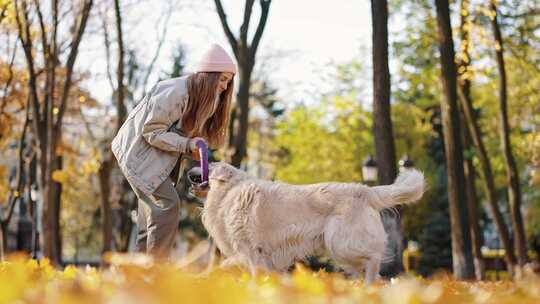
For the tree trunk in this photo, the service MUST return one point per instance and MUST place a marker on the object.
(382, 127)
(57, 207)
(49, 219)
(476, 236)
(120, 105)
(476, 135)
(46, 129)
(126, 227)
(242, 103)
(487, 180)
(104, 174)
(53, 136)
(245, 52)
(473, 207)
(15, 194)
(459, 217)
(107, 164)
(3, 246)
(465, 85)
(512, 174)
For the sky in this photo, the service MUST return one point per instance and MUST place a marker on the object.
(300, 41)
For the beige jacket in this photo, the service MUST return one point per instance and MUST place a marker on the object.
(147, 145)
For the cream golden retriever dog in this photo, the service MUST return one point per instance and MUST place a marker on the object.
(270, 225)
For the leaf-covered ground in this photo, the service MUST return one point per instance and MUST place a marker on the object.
(29, 281)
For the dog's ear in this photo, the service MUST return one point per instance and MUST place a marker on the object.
(220, 173)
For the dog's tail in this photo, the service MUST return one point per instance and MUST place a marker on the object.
(406, 189)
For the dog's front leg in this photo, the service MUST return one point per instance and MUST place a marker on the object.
(252, 268)
(229, 262)
(256, 263)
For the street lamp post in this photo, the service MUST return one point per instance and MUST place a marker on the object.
(405, 163)
(369, 167)
(369, 170)
(35, 200)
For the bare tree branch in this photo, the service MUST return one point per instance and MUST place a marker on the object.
(245, 24)
(87, 127)
(26, 42)
(15, 193)
(71, 62)
(158, 50)
(120, 105)
(66, 13)
(3, 11)
(265, 7)
(49, 86)
(107, 47)
(530, 13)
(228, 33)
(63, 45)
(46, 50)
(8, 81)
(54, 41)
(523, 58)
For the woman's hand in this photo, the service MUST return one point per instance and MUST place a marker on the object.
(193, 149)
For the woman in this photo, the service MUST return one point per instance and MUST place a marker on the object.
(164, 126)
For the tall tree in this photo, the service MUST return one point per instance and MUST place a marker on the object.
(459, 217)
(108, 160)
(472, 204)
(130, 75)
(382, 126)
(15, 194)
(472, 198)
(49, 104)
(474, 132)
(244, 52)
(512, 174)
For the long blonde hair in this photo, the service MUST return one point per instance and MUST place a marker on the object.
(196, 121)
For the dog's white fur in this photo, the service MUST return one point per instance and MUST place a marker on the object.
(270, 225)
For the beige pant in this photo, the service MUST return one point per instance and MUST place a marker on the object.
(158, 219)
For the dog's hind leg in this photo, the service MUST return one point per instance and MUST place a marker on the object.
(354, 246)
(342, 249)
(372, 267)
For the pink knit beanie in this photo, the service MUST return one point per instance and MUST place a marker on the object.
(216, 60)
